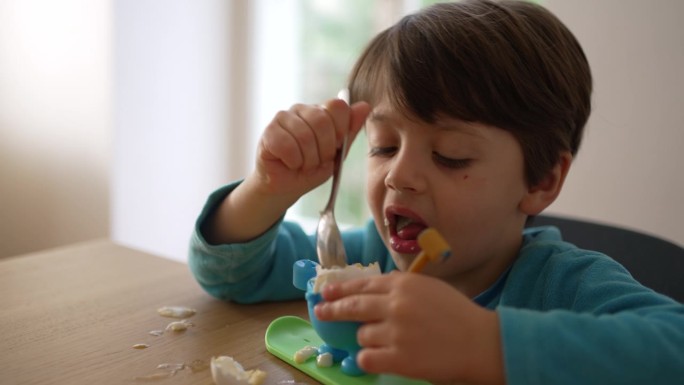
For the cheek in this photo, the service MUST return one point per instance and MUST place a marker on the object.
(375, 191)
(375, 194)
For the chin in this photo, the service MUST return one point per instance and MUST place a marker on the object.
(401, 261)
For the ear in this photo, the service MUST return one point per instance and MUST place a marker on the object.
(541, 195)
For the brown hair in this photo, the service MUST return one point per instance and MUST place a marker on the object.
(510, 64)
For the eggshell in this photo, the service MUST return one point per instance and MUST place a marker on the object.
(226, 371)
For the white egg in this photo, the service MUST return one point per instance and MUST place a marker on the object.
(336, 274)
(324, 360)
(305, 353)
(176, 311)
(179, 326)
(226, 371)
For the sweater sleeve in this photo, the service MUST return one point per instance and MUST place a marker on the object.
(254, 271)
(585, 320)
(261, 269)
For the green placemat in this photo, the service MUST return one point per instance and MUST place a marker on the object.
(286, 335)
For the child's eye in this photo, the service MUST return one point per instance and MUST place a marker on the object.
(451, 163)
(382, 151)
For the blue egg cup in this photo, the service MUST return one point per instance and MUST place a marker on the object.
(339, 337)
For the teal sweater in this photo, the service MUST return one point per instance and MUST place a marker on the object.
(567, 316)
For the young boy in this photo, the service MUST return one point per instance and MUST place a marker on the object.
(473, 113)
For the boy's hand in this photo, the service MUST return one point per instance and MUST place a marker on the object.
(417, 326)
(295, 155)
(297, 149)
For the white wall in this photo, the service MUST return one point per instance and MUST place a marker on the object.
(179, 132)
(274, 76)
(55, 121)
(629, 170)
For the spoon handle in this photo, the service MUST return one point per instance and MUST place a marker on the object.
(337, 171)
(339, 159)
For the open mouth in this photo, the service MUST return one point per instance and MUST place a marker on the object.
(404, 227)
(407, 228)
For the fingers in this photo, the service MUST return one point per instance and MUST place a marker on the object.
(371, 285)
(280, 140)
(387, 359)
(378, 360)
(349, 120)
(302, 137)
(308, 136)
(374, 334)
(362, 308)
(339, 113)
(315, 132)
(362, 300)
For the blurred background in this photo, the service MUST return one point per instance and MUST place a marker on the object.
(119, 117)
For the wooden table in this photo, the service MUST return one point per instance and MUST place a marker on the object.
(72, 315)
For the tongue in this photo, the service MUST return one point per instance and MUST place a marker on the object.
(410, 231)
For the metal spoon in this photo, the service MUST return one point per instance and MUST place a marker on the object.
(329, 246)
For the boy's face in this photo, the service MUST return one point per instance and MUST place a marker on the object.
(464, 179)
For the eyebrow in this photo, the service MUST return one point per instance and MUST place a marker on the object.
(378, 117)
(460, 126)
(450, 125)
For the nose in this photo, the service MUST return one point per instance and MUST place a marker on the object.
(406, 173)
